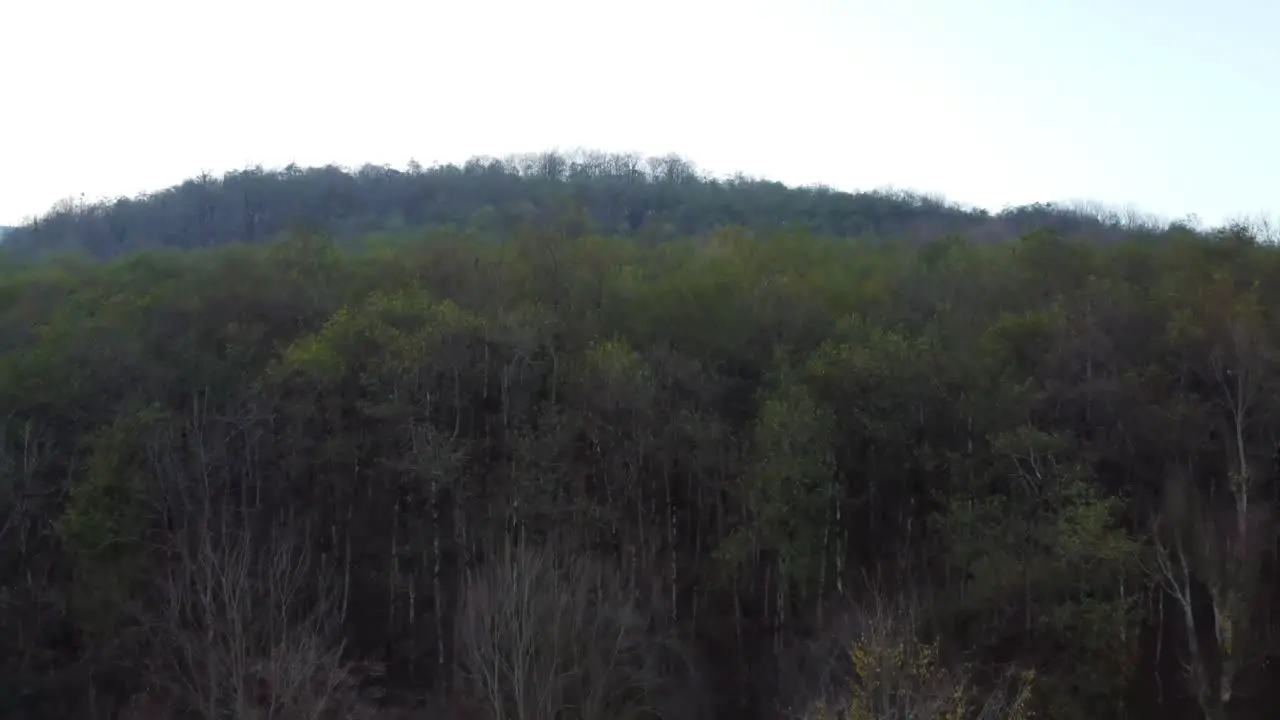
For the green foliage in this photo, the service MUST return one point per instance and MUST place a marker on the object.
(668, 373)
(790, 483)
(1043, 551)
(105, 526)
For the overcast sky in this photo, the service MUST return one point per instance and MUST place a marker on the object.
(1171, 106)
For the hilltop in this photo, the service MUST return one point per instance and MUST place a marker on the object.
(653, 199)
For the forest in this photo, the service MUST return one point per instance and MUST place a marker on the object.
(651, 199)
(603, 438)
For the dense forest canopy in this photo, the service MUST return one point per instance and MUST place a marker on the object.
(472, 443)
(656, 198)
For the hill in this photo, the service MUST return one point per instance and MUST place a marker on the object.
(763, 473)
(653, 199)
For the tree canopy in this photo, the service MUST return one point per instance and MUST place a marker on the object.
(653, 199)
(470, 441)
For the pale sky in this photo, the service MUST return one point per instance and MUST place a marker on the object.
(1172, 106)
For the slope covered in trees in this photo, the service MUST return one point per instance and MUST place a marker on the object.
(749, 473)
(648, 198)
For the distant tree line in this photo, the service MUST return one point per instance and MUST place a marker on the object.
(656, 198)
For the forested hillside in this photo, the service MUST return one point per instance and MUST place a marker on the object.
(651, 199)
(764, 471)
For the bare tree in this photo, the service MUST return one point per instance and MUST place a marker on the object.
(28, 598)
(882, 671)
(18, 473)
(1217, 540)
(1218, 547)
(1263, 227)
(250, 626)
(246, 620)
(540, 636)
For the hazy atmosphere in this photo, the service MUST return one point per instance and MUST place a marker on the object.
(992, 102)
